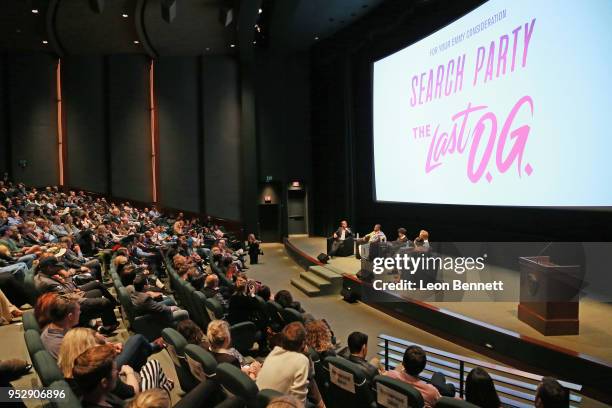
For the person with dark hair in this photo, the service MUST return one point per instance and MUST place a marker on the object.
(413, 364)
(264, 292)
(192, 333)
(284, 298)
(551, 394)
(401, 236)
(253, 249)
(242, 305)
(145, 304)
(358, 348)
(95, 372)
(480, 390)
(286, 367)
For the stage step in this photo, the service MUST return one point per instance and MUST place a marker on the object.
(325, 272)
(315, 280)
(306, 287)
(334, 270)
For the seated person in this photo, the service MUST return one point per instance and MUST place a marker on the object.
(64, 313)
(286, 367)
(551, 394)
(422, 240)
(319, 338)
(401, 236)
(284, 298)
(340, 236)
(211, 290)
(243, 306)
(81, 339)
(480, 390)
(95, 300)
(95, 373)
(375, 236)
(413, 364)
(219, 338)
(358, 349)
(192, 333)
(144, 303)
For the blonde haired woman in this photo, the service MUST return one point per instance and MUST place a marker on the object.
(80, 339)
(220, 341)
(151, 399)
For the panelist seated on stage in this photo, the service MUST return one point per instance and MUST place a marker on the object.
(422, 240)
(375, 236)
(341, 243)
(401, 237)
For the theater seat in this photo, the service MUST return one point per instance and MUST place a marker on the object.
(391, 393)
(243, 336)
(201, 317)
(214, 308)
(448, 402)
(321, 374)
(30, 287)
(68, 399)
(202, 363)
(347, 384)
(33, 342)
(291, 315)
(237, 383)
(265, 396)
(176, 349)
(29, 321)
(46, 368)
(273, 310)
(148, 325)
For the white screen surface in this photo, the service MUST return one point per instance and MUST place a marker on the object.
(536, 76)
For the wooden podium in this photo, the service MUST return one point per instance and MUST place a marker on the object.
(549, 296)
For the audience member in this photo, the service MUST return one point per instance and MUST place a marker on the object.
(551, 394)
(480, 390)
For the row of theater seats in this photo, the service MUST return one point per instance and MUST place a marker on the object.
(195, 365)
(45, 365)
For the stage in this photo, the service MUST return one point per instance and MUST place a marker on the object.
(489, 327)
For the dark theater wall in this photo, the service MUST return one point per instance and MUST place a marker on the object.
(178, 102)
(221, 108)
(33, 118)
(84, 105)
(129, 126)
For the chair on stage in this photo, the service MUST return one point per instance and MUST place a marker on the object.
(347, 248)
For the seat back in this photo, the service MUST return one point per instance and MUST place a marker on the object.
(30, 287)
(46, 368)
(202, 363)
(273, 310)
(291, 315)
(214, 308)
(264, 397)
(67, 398)
(33, 342)
(392, 393)
(29, 321)
(126, 304)
(176, 344)
(348, 385)
(321, 374)
(237, 383)
(243, 336)
(448, 402)
(201, 317)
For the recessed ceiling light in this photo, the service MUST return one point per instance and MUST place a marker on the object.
(45, 42)
(260, 11)
(254, 42)
(207, 48)
(136, 42)
(316, 37)
(124, 15)
(232, 45)
(34, 11)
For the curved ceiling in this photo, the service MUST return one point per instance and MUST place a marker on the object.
(75, 27)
